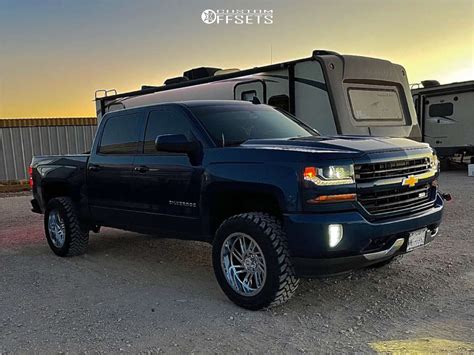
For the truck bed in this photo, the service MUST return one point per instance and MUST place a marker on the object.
(57, 174)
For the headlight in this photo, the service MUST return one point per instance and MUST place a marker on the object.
(434, 162)
(330, 175)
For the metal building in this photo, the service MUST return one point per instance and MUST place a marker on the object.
(21, 138)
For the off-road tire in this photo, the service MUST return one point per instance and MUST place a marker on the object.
(281, 282)
(77, 237)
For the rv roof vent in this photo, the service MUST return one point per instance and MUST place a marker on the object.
(199, 73)
(177, 80)
(226, 71)
(323, 52)
(430, 83)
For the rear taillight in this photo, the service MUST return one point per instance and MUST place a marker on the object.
(30, 173)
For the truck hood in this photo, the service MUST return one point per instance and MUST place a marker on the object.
(338, 144)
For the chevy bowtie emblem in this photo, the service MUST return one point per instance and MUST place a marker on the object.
(410, 181)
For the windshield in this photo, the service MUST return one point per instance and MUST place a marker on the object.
(230, 125)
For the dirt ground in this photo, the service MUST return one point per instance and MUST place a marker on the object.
(136, 293)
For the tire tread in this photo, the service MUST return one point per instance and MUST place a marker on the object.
(271, 226)
(79, 238)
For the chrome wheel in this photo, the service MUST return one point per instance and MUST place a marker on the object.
(243, 264)
(56, 229)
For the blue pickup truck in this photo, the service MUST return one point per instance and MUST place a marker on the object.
(276, 199)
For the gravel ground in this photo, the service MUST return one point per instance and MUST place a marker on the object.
(135, 293)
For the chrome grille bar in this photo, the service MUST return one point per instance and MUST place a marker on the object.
(372, 171)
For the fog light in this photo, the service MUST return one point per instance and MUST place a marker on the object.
(335, 234)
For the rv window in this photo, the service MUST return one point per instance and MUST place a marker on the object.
(164, 122)
(248, 95)
(441, 110)
(120, 135)
(280, 101)
(374, 104)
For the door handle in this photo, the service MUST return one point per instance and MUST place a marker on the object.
(94, 167)
(141, 169)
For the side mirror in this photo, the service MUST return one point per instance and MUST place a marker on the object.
(179, 143)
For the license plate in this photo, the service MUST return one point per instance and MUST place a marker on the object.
(416, 239)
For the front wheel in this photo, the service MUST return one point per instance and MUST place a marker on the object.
(251, 261)
(65, 234)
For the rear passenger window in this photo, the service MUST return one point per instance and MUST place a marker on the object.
(165, 122)
(121, 135)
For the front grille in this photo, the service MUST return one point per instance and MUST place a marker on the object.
(396, 199)
(380, 189)
(391, 169)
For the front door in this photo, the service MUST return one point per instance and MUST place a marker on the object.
(167, 185)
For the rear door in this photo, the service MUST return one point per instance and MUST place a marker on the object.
(110, 169)
(248, 90)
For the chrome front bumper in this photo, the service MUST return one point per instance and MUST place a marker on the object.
(383, 254)
(387, 252)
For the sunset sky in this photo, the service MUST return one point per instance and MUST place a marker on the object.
(55, 54)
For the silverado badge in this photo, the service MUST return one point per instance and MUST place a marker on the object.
(410, 181)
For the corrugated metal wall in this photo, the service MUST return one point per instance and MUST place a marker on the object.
(19, 144)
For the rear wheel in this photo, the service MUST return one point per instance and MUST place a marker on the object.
(64, 233)
(251, 261)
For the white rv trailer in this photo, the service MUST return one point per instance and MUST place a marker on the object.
(333, 93)
(446, 116)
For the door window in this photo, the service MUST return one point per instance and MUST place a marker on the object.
(165, 122)
(120, 135)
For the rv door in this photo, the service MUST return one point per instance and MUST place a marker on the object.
(246, 91)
